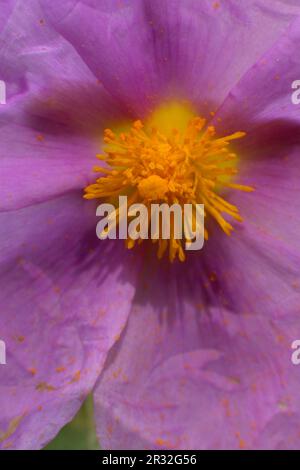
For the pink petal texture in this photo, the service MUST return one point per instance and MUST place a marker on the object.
(186, 375)
(115, 40)
(37, 166)
(6, 9)
(269, 162)
(144, 49)
(263, 97)
(64, 301)
(205, 47)
(52, 124)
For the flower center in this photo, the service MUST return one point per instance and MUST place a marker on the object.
(173, 158)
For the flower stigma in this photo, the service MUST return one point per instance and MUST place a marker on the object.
(173, 157)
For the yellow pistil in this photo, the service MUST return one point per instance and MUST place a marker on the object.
(185, 165)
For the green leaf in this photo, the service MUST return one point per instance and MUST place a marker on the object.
(80, 433)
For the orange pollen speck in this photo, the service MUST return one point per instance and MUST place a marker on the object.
(190, 167)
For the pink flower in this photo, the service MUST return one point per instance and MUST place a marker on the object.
(178, 355)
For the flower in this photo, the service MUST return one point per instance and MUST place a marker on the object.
(178, 355)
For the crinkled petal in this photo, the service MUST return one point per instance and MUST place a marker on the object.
(6, 9)
(261, 103)
(39, 166)
(205, 47)
(115, 41)
(52, 123)
(263, 253)
(191, 48)
(65, 297)
(187, 376)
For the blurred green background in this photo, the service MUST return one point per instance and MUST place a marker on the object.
(79, 434)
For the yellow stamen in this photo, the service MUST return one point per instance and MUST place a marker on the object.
(183, 165)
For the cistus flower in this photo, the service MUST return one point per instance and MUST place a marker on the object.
(179, 355)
